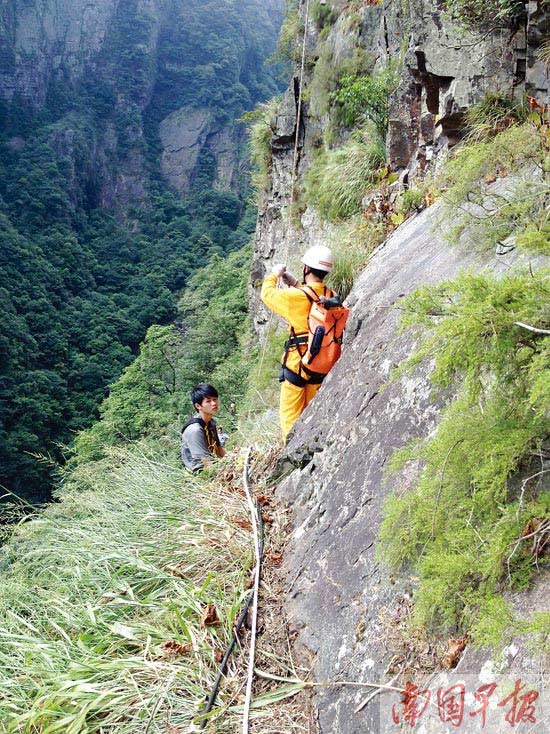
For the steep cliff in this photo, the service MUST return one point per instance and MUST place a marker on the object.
(348, 610)
(135, 65)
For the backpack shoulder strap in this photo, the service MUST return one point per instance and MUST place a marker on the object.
(310, 293)
(192, 421)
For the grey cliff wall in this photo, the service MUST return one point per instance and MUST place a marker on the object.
(345, 609)
(342, 604)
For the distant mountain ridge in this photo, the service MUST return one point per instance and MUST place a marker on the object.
(123, 169)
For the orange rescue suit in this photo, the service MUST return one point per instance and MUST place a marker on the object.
(293, 305)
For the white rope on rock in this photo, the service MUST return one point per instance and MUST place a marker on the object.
(254, 520)
(267, 331)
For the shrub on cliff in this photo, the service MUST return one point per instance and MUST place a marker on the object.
(483, 15)
(480, 496)
(499, 188)
(260, 132)
(360, 98)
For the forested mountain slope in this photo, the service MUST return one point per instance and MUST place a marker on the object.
(122, 171)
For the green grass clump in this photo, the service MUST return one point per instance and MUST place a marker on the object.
(493, 114)
(323, 14)
(461, 526)
(411, 200)
(338, 179)
(328, 73)
(491, 212)
(288, 47)
(352, 244)
(260, 131)
(483, 15)
(102, 598)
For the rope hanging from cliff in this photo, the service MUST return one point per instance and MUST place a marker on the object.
(294, 171)
(297, 125)
(256, 519)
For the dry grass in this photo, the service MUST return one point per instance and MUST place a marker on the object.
(279, 706)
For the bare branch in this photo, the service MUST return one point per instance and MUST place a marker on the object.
(532, 328)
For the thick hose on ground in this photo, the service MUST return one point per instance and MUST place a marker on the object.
(242, 616)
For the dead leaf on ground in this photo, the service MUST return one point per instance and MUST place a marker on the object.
(174, 571)
(176, 647)
(210, 616)
(242, 523)
(455, 648)
(275, 558)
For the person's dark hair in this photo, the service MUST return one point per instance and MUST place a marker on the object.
(321, 274)
(201, 391)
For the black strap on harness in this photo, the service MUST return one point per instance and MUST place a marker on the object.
(296, 341)
(314, 378)
(210, 432)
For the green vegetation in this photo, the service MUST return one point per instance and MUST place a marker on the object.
(288, 47)
(492, 212)
(493, 114)
(462, 526)
(323, 14)
(411, 200)
(260, 130)
(118, 623)
(328, 74)
(95, 248)
(482, 15)
(121, 622)
(361, 98)
(153, 392)
(339, 179)
(481, 486)
(352, 244)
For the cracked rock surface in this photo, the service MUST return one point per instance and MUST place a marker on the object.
(338, 595)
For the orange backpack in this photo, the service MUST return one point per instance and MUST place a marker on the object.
(326, 321)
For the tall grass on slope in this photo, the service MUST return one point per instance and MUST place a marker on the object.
(110, 600)
(339, 179)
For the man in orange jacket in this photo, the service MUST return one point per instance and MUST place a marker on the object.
(297, 387)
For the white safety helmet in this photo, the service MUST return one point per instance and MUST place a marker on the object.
(319, 257)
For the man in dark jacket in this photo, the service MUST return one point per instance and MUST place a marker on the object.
(199, 440)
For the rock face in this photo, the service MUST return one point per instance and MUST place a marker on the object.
(340, 599)
(119, 61)
(448, 69)
(343, 606)
(185, 134)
